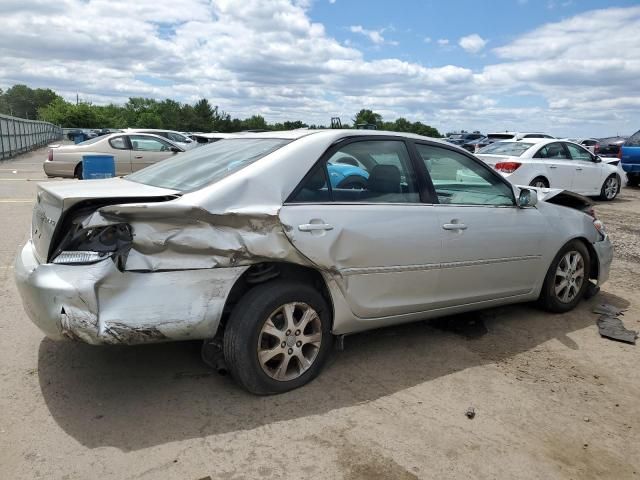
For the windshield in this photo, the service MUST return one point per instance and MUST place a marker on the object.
(513, 149)
(204, 165)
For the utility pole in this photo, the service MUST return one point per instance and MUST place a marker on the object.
(77, 100)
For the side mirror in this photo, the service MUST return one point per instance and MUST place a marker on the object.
(175, 149)
(527, 198)
(597, 159)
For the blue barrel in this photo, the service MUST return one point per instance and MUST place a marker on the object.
(98, 166)
(78, 138)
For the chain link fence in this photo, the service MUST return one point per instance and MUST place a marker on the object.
(18, 135)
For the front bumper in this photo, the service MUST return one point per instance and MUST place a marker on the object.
(604, 251)
(98, 304)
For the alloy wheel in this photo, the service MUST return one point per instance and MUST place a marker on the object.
(289, 341)
(611, 188)
(569, 276)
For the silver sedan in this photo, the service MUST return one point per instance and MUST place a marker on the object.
(259, 246)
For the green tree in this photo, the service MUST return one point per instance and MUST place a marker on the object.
(203, 116)
(368, 117)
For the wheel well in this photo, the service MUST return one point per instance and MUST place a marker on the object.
(260, 273)
(542, 177)
(594, 267)
(77, 170)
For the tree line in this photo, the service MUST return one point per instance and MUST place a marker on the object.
(45, 104)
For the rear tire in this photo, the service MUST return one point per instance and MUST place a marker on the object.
(610, 188)
(633, 180)
(264, 349)
(77, 172)
(539, 182)
(567, 278)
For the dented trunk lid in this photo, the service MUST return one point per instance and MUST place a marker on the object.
(53, 199)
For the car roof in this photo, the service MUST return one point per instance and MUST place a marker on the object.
(338, 133)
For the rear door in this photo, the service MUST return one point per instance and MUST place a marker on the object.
(121, 151)
(491, 249)
(382, 242)
(147, 150)
(558, 165)
(588, 175)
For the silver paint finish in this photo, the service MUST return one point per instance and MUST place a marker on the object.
(382, 263)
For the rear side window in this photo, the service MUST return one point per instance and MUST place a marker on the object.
(634, 140)
(552, 151)
(368, 171)
(119, 143)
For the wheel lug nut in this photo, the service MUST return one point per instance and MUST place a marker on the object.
(298, 343)
(283, 344)
(297, 332)
(290, 351)
(288, 332)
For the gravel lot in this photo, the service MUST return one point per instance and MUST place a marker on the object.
(552, 398)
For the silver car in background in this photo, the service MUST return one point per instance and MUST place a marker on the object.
(131, 152)
(248, 243)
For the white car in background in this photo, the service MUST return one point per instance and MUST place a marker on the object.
(499, 136)
(550, 163)
(179, 138)
(131, 152)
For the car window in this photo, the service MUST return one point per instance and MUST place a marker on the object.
(370, 171)
(202, 166)
(176, 137)
(141, 143)
(500, 136)
(552, 151)
(513, 149)
(579, 153)
(634, 140)
(119, 143)
(460, 180)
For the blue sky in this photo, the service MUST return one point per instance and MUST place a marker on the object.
(568, 67)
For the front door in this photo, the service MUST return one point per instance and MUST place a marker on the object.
(588, 175)
(380, 241)
(491, 249)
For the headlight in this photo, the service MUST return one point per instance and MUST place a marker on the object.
(80, 257)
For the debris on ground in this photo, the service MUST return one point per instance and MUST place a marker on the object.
(606, 309)
(470, 413)
(613, 328)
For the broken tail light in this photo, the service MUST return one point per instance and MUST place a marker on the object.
(92, 245)
(507, 167)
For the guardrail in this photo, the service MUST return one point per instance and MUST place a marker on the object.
(18, 135)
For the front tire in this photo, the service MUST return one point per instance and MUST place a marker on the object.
(278, 337)
(610, 188)
(567, 278)
(77, 172)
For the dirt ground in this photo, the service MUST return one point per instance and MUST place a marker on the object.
(552, 398)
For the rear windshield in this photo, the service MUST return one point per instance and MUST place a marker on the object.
(500, 136)
(91, 141)
(513, 149)
(203, 165)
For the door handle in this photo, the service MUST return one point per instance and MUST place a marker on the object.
(314, 227)
(578, 168)
(454, 226)
(553, 166)
(138, 156)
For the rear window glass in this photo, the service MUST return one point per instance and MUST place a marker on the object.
(500, 136)
(634, 140)
(514, 149)
(207, 164)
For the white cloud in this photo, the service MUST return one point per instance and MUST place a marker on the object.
(472, 43)
(374, 35)
(579, 74)
(427, 39)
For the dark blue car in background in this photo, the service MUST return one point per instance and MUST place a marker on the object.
(630, 159)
